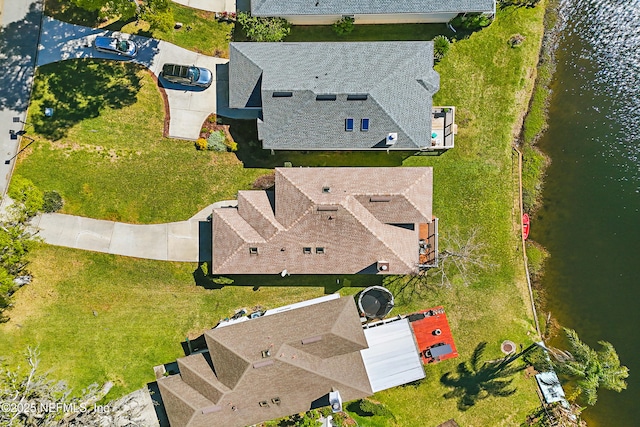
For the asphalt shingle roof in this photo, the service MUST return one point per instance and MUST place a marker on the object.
(397, 78)
(353, 221)
(227, 389)
(364, 7)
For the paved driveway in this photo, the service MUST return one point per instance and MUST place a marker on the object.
(188, 107)
(184, 241)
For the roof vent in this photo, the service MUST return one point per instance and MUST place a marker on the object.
(335, 400)
(392, 138)
(311, 340)
(262, 364)
(211, 409)
(266, 353)
(383, 266)
(326, 189)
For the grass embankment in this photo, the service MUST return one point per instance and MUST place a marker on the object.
(200, 32)
(535, 162)
(145, 308)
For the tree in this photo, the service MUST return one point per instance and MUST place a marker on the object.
(29, 198)
(591, 369)
(123, 9)
(344, 26)
(158, 13)
(264, 29)
(440, 47)
(30, 398)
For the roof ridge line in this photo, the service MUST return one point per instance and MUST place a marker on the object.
(274, 222)
(316, 373)
(372, 232)
(236, 231)
(408, 199)
(278, 170)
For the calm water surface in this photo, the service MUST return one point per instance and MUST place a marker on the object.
(590, 221)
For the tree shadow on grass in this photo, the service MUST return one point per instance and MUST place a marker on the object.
(475, 380)
(64, 10)
(80, 89)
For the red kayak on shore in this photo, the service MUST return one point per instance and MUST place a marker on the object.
(526, 226)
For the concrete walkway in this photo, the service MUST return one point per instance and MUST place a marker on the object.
(188, 107)
(20, 22)
(184, 241)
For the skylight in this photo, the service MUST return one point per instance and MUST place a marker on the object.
(364, 125)
(348, 125)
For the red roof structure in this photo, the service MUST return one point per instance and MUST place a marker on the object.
(433, 335)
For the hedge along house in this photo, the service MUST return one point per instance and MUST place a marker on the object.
(330, 221)
(326, 12)
(341, 96)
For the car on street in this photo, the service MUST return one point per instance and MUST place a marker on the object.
(187, 75)
(116, 45)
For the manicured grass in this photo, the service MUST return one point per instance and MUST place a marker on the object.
(145, 308)
(206, 34)
(98, 317)
(201, 32)
(113, 162)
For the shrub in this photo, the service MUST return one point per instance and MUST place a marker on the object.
(201, 144)
(344, 26)
(440, 47)
(52, 201)
(215, 142)
(516, 40)
(373, 408)
(23, 191)
(264, 182)
(264, 29)
(470, 21)
(231, 145)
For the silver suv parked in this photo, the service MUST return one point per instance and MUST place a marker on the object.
(187, 75)
(116, 45)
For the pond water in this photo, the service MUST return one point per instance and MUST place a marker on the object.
(590, 220)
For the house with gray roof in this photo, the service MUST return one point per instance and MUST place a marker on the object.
(330, 221)
(341, 96)
(325, 12)
(286, 363)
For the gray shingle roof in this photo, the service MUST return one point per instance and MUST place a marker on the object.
(364, 7)
(397, 77)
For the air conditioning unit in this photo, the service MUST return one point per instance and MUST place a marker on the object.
(392, 138)
(335, 400)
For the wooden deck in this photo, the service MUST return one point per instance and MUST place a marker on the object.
(424, 331)
(428, 247)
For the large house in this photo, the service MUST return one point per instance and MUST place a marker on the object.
(330, 221)
(341, 96)
(325, 12)
(288, 361)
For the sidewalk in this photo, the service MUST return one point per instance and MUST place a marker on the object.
(20, 22)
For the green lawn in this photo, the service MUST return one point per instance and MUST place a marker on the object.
(145, 308)
(205, 34)
(106, 147)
